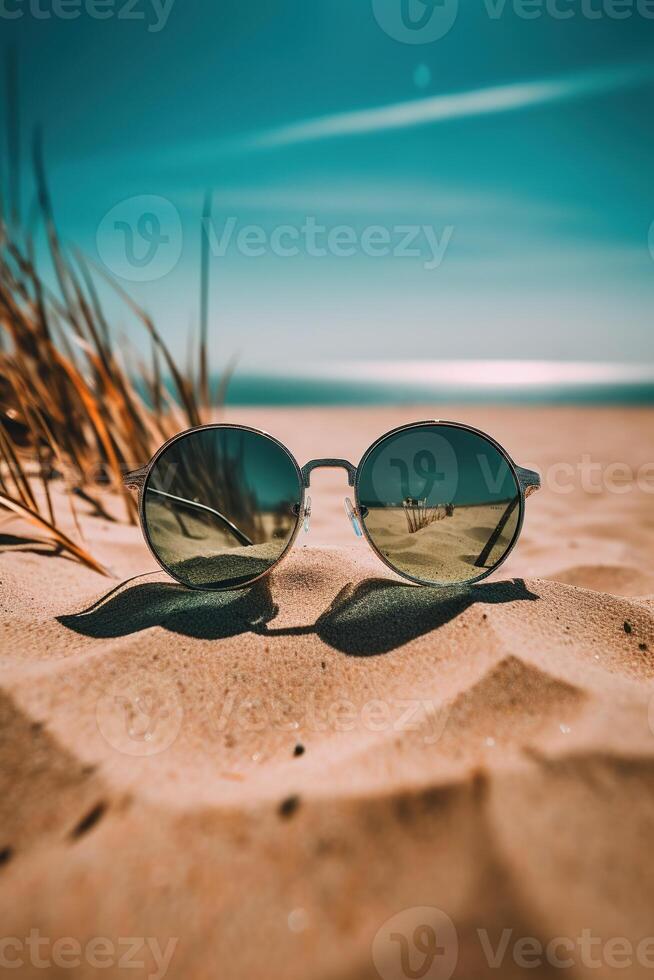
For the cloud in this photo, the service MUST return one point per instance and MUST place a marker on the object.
(420, 198)
(456, 105)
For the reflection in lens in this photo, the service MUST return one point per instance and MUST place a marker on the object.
(440, 503)
(221, 505)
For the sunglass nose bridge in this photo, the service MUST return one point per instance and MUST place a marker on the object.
(354, 517)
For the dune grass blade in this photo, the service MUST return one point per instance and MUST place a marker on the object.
(78, 401)
(56, 534)
(13, 136)
(184, 386)
(203, 372)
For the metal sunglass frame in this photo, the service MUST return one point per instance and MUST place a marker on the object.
(527, 481)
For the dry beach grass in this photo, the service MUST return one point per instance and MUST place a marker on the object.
(78, 402)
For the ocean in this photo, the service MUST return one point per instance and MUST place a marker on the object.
(411, 382)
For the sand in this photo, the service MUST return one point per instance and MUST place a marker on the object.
(326, 774)
(447, 550)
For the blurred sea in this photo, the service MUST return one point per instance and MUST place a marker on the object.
(412, 382)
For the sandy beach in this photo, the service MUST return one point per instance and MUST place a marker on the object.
(285, 781)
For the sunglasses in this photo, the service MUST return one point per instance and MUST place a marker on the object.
(440, 503)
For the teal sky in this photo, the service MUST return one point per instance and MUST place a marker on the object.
(525, 145)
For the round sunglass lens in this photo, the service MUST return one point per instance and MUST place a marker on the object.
(440, 504)
(220, 506)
